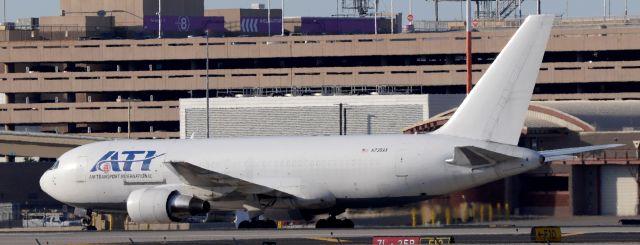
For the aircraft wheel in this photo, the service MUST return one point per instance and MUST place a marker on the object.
(322, 224)
(347, 224)
(270, 224)
(245, 225)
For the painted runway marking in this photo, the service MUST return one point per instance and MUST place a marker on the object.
(573, 234)
(329, 239)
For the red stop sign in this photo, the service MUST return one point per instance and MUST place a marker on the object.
(475, 23)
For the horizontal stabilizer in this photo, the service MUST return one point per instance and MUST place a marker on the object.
(471, 156)
(559, 158)
(565, 154)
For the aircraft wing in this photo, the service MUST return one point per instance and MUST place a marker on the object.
(567, 153)
(220, 183)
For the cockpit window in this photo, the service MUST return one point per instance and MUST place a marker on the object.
(55, 165)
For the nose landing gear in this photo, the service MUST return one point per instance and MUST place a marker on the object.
(87, 221)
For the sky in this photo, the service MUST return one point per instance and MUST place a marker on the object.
(422, 10)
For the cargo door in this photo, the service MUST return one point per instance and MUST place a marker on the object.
(403, 160)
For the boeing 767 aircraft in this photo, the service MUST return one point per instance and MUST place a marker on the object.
(162, 181)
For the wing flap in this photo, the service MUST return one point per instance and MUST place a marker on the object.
(559, 158)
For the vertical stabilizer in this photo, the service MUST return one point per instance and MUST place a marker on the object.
(496, 108)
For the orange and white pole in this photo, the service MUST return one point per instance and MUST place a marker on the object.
(469, 29)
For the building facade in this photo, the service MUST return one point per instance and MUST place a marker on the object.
(86, 87)
(309, 115)
(99, 70)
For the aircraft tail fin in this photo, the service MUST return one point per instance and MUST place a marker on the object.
(495, 110)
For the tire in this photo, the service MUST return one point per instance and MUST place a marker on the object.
(322, 224)
(245, 225)
(347, 224)
(270, 224)
(260, 224)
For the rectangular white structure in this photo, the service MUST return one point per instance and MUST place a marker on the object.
(309, 115)
(619, 191)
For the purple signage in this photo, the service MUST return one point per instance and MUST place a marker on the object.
(332, 25)
(260, 25)
(187, 24)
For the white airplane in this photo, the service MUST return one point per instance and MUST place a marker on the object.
(161, 181)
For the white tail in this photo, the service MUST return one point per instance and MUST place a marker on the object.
(496, 108)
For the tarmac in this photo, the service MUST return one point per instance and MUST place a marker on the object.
(585, 230)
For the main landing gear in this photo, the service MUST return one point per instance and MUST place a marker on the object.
(333, 222)
(87, 221)
(258, 224)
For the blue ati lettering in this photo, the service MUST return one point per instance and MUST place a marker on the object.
(114, 161)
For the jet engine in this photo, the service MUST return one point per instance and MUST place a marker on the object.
(158, 205)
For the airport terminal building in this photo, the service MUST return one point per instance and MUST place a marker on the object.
(100, 70)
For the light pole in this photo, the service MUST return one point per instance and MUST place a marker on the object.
(626, 9)
(207, 84)
(411, 7)
(375, 17)
(159, 18)
(539, 7)
(344, 121)
(604, 9)
(269, 16)
(393, 19)
(340, 107)
(282, 17)
(129, 118)
(469, 54)
(129, 100)
(519, 9)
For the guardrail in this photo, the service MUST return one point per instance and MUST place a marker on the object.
(432, 75)
(297, 46)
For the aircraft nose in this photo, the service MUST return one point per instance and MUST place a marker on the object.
(46, 182)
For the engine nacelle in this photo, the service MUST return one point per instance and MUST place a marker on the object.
(158, 205)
